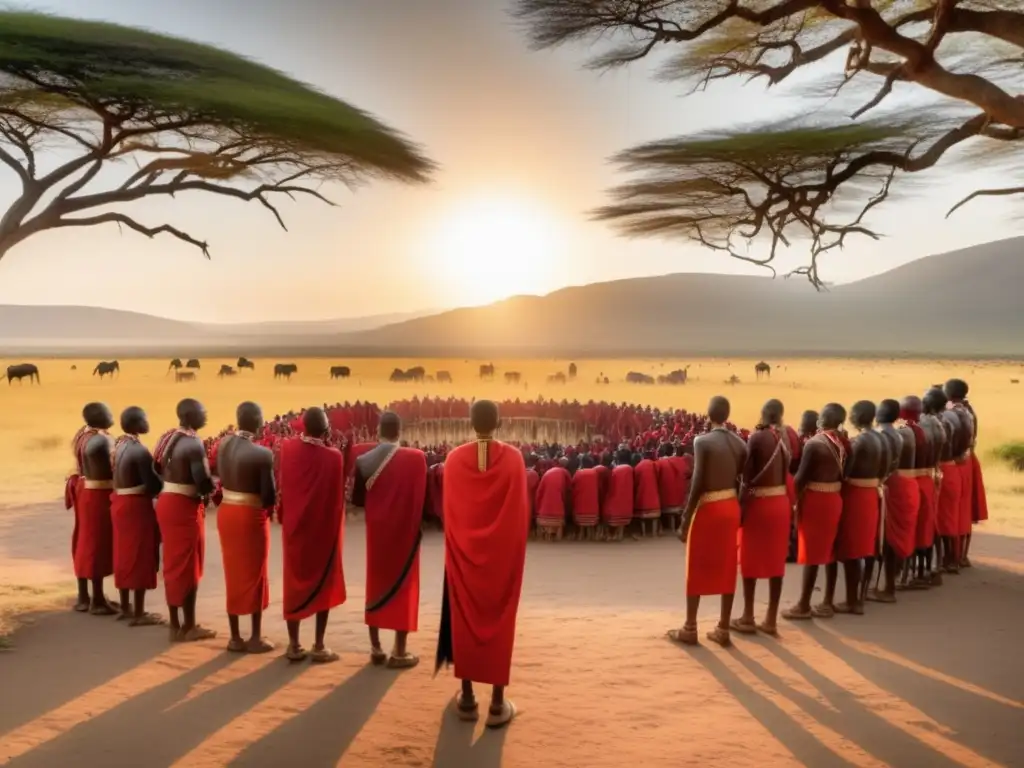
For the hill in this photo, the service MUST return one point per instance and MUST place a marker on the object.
(962, 303)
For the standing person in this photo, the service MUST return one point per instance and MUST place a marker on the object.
(180, 459)
(857, 538)
(391, 485)
(243, 521)
(765, 525)
(950, 480)
(929, 542)
(819, 484)
(974, 496)
(711, 523)
(487, 518)
(311, 479)
(88, 492)
(136, 532)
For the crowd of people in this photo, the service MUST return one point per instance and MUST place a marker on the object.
(900, 495)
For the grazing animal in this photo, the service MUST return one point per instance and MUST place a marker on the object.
(513, 377)
(487, 371)
(226, 370)
(557, 378)
(419, 373)
(734, 379)
(572, 370)
(175, 364)
(285, 370)
(444, 377)
(107, 368)
(762, 369)
(74, 367)
(397, 375)
(193, 364)
(676, 377)
(635, 377)
(340, 372)
(180, 376)
(1015, 381)
(21, 371)
(245, 362)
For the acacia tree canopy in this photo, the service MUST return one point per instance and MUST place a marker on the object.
(190, 117)
(804, 178)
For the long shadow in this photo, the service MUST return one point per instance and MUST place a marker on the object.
(854, 720)
(168, 733)
(320, 735)
(978, 721)
(62, 655)
(455, 747)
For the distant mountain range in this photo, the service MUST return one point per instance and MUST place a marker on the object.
(964, 303)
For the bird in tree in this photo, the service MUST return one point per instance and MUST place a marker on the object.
(173, 117)
(812, 177)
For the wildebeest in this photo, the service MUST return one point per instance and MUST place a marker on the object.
(245, 362)
(557, 378)
(572, 370)
(193, 363)
(677, 376)
(444, 377)
(340, 371)
(413, 374)
(107, 368)
(634, 377)
(762, 369)
(180, 376)
(487, 371)
(175, 364)
(285, 369)
(22, 370)
(513, 377)
(1015, 381)
(226, 370)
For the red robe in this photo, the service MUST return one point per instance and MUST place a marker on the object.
(764, 535)
(858, 527)
(646, 502)
(136, 541)
(532, 481)
(711, 553)
(979, 505)
(487, 521)
(183, 533)
(673, 483)
(817, 526)
(903, 504)
(948, 520)
(244, 533)
(926, 512)
(617, 509)
(394, 515)
(586, 501)
(312, 515)
(552, 496)
(966, 516)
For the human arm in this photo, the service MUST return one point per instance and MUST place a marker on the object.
(696, 487)
(199, 466)
(803, 472)
(147, 473)
(268, 488)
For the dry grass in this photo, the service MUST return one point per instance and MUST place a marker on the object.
(17, 601)
(38, 421)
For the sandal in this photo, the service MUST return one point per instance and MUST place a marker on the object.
(147, 620)
(407, 661)
(236, 645)
(847, 609)
(82, 606)
(259, 645)
(466, 713)
(720, 636)
(683, 636)
(105, 609)
(296, 653)
(742, 627)
(771, 631)
(323, 656)
(198, 633)
(876, 596)
(823, 611)
(500, 720)
(377, 657)
(795, 614)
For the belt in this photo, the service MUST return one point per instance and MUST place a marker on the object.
(135, 490)
(712, 496)
(181, 489)
(240, 499)
(672, 510)
(920, 472)
(99, 485)
(825, 487)
(768, 490)
(863, 482)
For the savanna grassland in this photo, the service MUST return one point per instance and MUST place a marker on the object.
(37, 422)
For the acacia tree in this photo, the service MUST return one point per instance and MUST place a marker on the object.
(96, 116)
(817, 179)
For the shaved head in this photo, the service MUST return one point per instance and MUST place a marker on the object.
(98, 416)
(832, 416)
(315, 423)
(483, 415)
(134, 421)
(249, 417)
(719, 410)
(390, 425)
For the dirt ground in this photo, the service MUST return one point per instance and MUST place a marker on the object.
(937, 680)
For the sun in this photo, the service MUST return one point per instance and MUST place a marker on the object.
(492, 249)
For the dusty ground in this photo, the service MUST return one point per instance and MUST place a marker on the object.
(937, 680)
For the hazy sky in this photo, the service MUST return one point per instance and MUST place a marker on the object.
(522, 138)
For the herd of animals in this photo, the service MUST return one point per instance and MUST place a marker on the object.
(186, 371)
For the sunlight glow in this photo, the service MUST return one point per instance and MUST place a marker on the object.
(492, 249)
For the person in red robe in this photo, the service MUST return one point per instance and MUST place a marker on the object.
(586, 499)
(617, 508)
(391, 485)
(136, 532)
(553, 497)
(248, 497)
(487, 519)
(951, 496)
(973, 491)
(646, 500)
(711, 525)
(181, 461)
(88, 492)
(311, 508)
(532, 482)
(673, 484)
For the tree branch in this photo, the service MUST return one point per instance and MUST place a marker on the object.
(1004, 192)
(128, 221)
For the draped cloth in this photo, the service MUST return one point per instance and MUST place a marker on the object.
(818, 525)
(394, 509)
(586, 497)
(903, 506)
(646, 501)
(552, 493)
(966, 516)
(927, 512)
(487, 518)
(136, 541)
(617, 509)
(857, 536)
(182, 522)
(673, 483)
(979, 501)
(948, 520)
(764, 533)
(711, 551)
(312, 514)
(93, 543)
(245, 548)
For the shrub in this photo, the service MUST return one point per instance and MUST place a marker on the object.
(1012, 454)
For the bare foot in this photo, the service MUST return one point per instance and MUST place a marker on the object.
(259, 645)
(147, 620)
(823, 611)
(720, 636)
(769, 629)
(877, 596)
(236, 645)
(743, 626)
(296, 653)
(796, 613)
(82, 606)
(323, 656)
(199, 633)
(103, 609)
(855, 609)
(406, 661)
(378, 657)
(468, 711)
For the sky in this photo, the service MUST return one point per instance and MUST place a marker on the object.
(522, 138)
